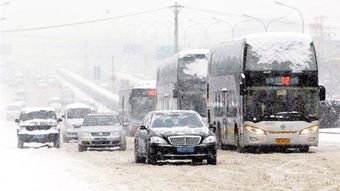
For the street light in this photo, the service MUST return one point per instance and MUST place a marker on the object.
(5, 3)
(205, 29)
(265, 25)
(296, 9)
(232, 27)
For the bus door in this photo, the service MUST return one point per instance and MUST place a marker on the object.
(229, 117)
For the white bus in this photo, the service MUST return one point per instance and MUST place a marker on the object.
(263, 91)
(181, 82)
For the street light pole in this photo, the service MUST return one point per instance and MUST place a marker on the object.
(232, 27)
(265, 25)
(296, 9)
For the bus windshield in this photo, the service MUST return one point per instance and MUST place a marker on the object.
(193, 66)
(281, 56)
(277, 104)
(142, 101)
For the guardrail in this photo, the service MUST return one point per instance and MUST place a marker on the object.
(99, 94)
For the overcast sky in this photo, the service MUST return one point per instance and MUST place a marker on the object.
(31, 13)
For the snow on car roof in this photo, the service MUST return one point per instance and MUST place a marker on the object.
(77, 105)
(281, 47)
(184, 53)
(33, 109)
(174, 111)
(102, 113)
(150, 84)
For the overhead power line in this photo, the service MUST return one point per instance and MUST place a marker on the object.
(83, 22)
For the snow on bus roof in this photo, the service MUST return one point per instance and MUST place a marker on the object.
(184, 53)
(33, 109)
(281, 47)
(77, 105)
(150, 84)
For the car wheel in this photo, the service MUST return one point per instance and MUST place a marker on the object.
(20, 143)
(65, 139)
(138, 158)
(56, 142)
(212, 160)
(122, 147)
(150, 158)
(304, 149)
(81, 148)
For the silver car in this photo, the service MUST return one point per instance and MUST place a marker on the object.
(101, 130)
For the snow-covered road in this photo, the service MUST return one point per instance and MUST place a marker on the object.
(40, 167)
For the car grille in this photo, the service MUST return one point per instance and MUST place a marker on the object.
(185, 140)
(32, 128)
(100, 134)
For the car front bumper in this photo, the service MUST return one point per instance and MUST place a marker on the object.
(39, 138)
(290, 140)
(96, 142)
(164, 152)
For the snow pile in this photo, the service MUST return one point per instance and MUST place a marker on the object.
(293, 48)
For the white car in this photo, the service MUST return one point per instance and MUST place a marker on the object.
(101, 130)
(74, 116)
(38, 124)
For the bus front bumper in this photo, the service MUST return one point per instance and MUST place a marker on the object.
(291, 140)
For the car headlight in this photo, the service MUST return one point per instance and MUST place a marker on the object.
(309, 130)
(255, 130)
(210, 139)
(158, 140)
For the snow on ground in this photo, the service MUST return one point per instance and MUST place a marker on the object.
(41, 167)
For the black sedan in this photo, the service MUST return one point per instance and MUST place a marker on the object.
(174, 135)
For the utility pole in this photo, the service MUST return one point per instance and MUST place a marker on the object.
(85, 75)
(113, 73)
(176, 8)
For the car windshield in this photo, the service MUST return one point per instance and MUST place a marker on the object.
(78, 113)
(176, 120)
(293, 104)
(38, 115)
(101, 120)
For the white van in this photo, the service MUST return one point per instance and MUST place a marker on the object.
(73, 118)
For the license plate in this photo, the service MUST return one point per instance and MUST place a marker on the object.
(282, 141)
(185, 149)
(100, 139)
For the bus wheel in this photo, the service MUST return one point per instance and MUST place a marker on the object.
(304, 149)
(240, 148)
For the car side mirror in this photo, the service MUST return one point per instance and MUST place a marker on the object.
(142, 127)
(322, 93)
(17, 120)
(63, 116)
(212, 128)
(59, 120)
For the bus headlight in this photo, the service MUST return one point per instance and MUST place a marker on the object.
(210, 139)
(158, 140)
(309, 130)
(255, 130)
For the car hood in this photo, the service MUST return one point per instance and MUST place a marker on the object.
(100, 128)
(178, 131)
(39, 122)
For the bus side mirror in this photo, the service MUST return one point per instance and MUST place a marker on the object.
(322, 93)
(17, 120)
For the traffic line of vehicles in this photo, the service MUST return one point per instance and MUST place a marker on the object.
(261, 90)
